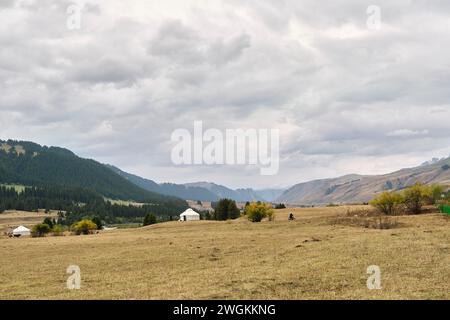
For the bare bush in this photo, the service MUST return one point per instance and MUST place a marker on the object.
(369, 220)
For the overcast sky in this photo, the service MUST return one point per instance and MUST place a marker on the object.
(346, 98)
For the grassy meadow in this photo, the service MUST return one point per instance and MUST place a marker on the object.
(317, 256)
(12, 219)
(17, 187)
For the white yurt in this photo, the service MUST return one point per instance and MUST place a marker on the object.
(189, 215)
(21, 231)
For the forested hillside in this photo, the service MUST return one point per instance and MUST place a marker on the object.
(30, 164)
(58, 179)
(76, 204)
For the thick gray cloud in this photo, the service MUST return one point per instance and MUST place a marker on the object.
(345, 98)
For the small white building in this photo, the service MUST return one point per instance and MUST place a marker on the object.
(189, 215)
(21, 231)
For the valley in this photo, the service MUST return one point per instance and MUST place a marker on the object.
(309, 258)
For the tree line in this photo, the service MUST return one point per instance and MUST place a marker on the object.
(410, 200)
(44, 166)
(74, 204)
(226, 209)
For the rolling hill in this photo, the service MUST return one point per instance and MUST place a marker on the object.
(360, 188)
(170, 189)
(28, 163)
(240, 195)
(203, 191)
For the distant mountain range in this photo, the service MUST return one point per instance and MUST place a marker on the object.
(28, 163)
(358, 188)
(177, 190)
(203, 191)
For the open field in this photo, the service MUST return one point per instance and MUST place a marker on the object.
(12, 219)
(124, 203)
(17, 187)
(309, 258)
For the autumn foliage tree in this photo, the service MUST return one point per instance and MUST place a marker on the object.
(387, 202)
(85, 226)
(256, 212)
(414, 198)
(411, 200)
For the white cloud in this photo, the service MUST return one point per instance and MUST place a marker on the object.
(407, 133)
(346, 99)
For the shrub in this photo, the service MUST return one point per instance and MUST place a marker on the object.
(83, 227)
(385, 223)
(433, 193)
(57, 230)
(372, 222)
(280, 206)
(332, 205)
(48, 222)
(387, 202)
(226, 209)
(205, 215)
(256, 212)
(149, 219)
(40, 230)
(414, 198)
(270, 214)
(98, 222)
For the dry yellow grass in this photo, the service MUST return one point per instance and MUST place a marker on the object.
(12, 219)
(125, 203)
(303, 259)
